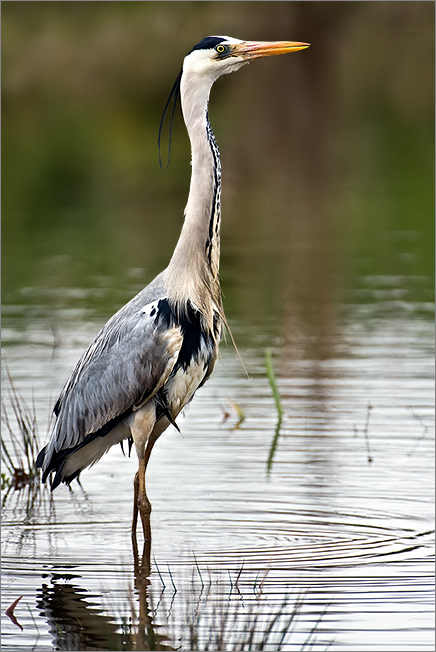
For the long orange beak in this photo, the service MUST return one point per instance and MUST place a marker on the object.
(256, 49)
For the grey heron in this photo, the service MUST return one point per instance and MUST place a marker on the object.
(147, 362)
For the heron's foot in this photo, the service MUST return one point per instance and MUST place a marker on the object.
(143, 506)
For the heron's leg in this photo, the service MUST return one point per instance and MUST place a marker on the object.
(142, 502)
(145, 433)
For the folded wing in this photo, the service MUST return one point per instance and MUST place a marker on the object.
(129, 361)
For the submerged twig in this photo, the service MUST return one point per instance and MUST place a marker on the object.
(368, 450)
(159, 573)
(424, 432)
(198, 570)
(366, 433)
(171, 578)
(239, 413)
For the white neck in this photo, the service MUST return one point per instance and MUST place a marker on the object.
(194, 265)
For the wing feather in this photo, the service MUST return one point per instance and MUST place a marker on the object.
(128, 362)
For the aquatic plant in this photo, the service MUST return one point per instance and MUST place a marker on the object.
(20, 444)
(19, 453)
(214, 611)
(275, 392)
(221, 623)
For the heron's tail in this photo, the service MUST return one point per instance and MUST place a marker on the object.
(68, 463)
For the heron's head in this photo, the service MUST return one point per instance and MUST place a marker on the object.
(214, 56)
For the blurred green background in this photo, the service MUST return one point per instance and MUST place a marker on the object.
(327, 155)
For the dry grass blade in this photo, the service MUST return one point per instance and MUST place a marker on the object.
(10, 612)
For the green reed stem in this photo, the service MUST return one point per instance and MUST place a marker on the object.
(275, 392)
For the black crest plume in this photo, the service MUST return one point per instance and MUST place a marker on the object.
(174, 95)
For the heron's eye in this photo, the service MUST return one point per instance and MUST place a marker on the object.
(220, 49)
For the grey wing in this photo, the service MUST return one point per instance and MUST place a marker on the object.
(128, 362)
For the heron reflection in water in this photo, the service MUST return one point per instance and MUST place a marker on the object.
(147, 362)
(77, 620)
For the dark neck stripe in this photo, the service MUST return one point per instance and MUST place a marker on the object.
(215, 209)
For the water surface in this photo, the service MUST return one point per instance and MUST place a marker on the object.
(348, 539)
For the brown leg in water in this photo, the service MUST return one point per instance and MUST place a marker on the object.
(141, 502)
